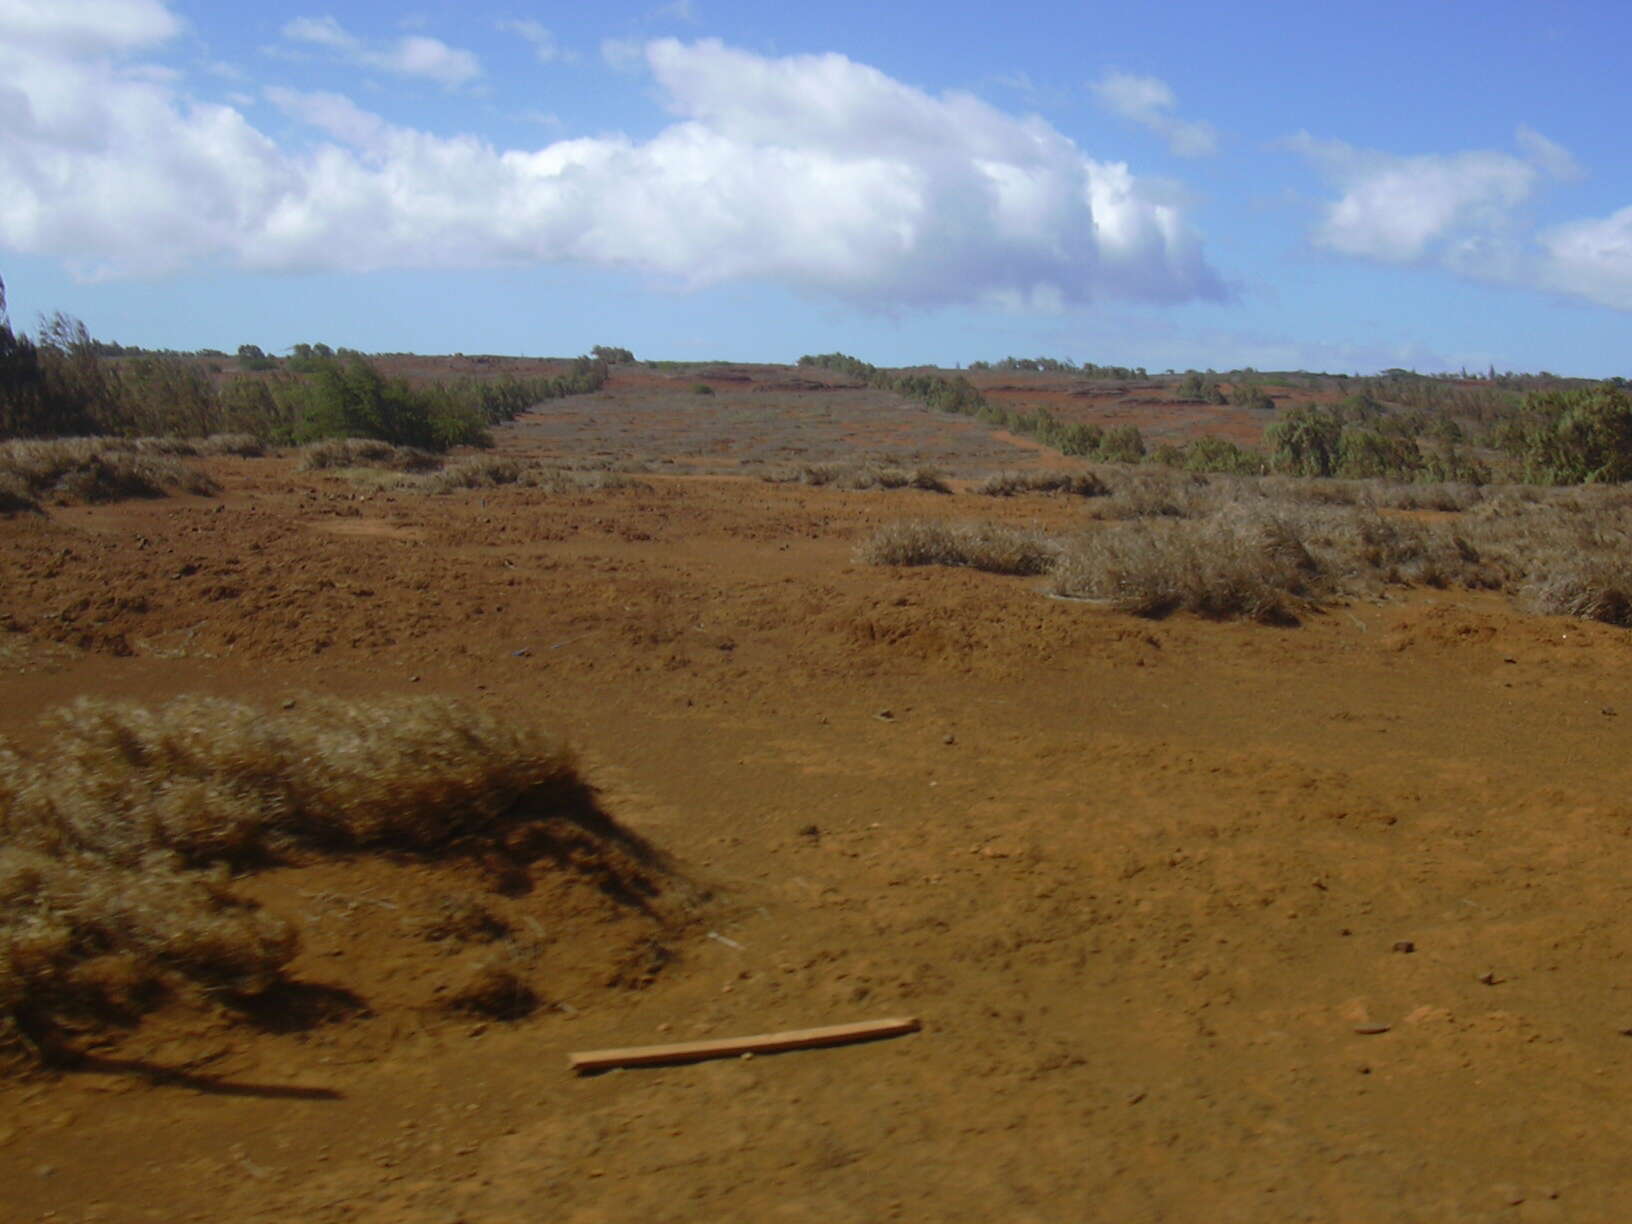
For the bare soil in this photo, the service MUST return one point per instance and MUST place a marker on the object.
(1147, 884)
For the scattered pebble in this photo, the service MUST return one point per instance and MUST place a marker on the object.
(290, 704)
(1405, 945)
(885, 715)
(1371, 1030)
(949, 739)
(1489, 978)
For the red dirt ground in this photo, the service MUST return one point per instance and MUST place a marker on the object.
(1141, 881)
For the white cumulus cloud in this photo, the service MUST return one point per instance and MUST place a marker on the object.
(1401, 209)
(1150, 102)
(413, 55)
(1591, 259)
(815, 172)
(86, 26)
(1466, 212)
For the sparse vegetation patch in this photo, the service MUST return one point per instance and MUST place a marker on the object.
(115, 844)
(863, 476)
(1072, 484)
(1246, 564)
(364, 452)
(984, 546)
(66, 470)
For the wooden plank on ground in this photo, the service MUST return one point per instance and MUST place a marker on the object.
(728, 1047)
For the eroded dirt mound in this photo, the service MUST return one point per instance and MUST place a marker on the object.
(288, 869)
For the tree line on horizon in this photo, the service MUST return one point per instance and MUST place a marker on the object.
(64, 383)
(1397, 425)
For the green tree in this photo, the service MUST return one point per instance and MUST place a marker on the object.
(1123, 444)
(250, 357)
(1305, 441)
(1574, 437)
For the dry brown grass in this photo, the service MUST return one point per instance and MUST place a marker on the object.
(480, 472)
(1591, 588)
(85, 941)
(66, 470)
(365, 452)
(219, 781)
(115, 840)
(1242, 564)
(1141, 493)
(15, 495)
(1248, 553)
(1072, 484)
(861, 476)
(241, 444)
(485, 472)
(991, 547)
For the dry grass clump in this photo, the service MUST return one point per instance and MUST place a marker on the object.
(481, 472)
(1265, 549)
(861, 476)
(991, 547)
(1357, 549)
(1157, 494)
(1446, 497)
(15, 495)
(116, 841)
(491, 471)
(212, 780)
(86, 941)
(1243, 564)
(1313, 490)
(1073, 484)
(91, 470)
(364, 452)
(563, 480)
(1592, 588)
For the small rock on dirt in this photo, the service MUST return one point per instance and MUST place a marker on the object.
(1404, 945)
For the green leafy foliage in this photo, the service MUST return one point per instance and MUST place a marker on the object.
(1573, 437)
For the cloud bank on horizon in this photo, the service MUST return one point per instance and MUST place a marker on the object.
(813, 171)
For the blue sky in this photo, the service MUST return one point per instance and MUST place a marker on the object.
(1434, 185)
